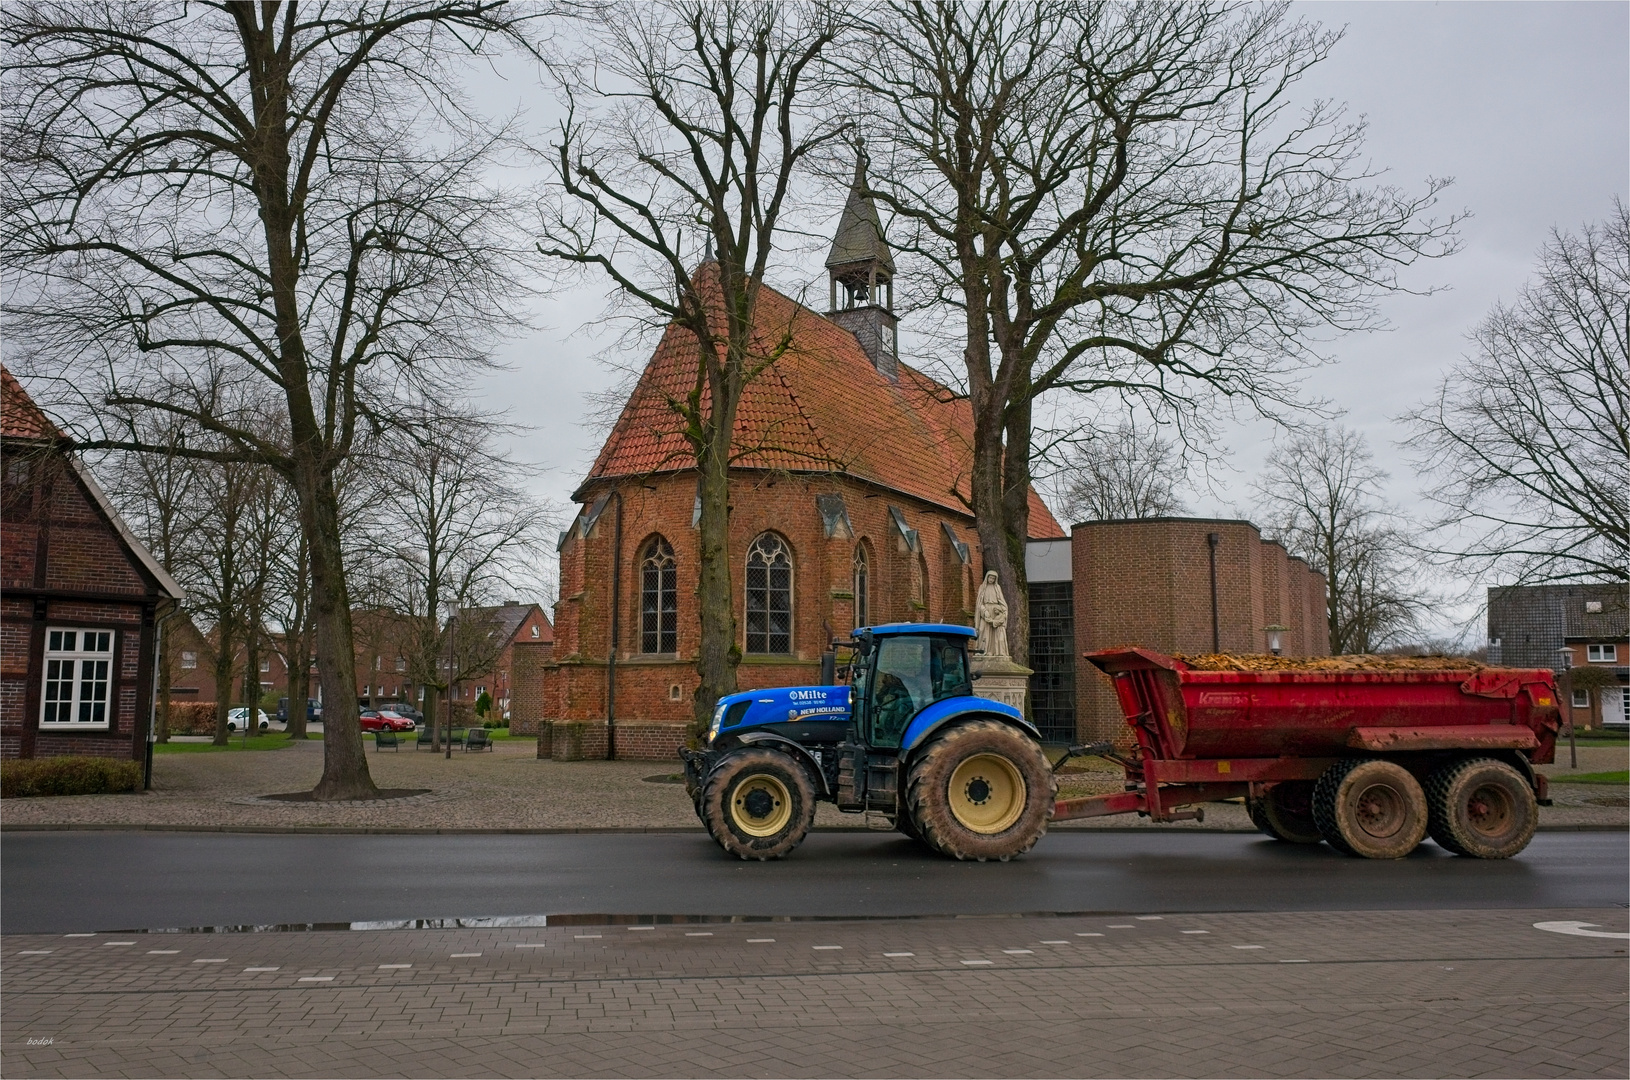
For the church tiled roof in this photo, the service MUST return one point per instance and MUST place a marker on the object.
(821, 407)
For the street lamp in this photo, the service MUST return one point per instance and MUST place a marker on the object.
(1276, 643)
(1566, 655)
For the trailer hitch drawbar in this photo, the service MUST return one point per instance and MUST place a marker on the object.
(1097, 749)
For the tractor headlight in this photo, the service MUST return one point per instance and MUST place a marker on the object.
(718, 722)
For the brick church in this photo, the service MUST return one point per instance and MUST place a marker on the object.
(848, 507)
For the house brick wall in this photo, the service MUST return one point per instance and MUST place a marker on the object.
(55, 540)
(526, 705)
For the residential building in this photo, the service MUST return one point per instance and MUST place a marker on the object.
(79, 599)
(1588, 624)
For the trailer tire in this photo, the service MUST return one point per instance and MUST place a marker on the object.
(1371, 808)
(1286, 813)
(1005, 795)
(758, 803)
(1481, 807)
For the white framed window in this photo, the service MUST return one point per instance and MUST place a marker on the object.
(1602, 654)
(266, 665)
(189, 660)
(1581, 699)
(78, 679)
(401, 663)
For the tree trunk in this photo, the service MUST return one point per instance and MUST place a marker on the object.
(718, 656)
(432, 721)
(166, 675)
(345, 764)
(224, 648)
(1016, 521)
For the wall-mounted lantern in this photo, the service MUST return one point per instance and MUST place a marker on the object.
(1276, 638)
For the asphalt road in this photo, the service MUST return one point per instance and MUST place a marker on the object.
(74, 882)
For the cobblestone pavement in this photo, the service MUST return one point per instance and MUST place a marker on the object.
(508, 788)
(1405, 993)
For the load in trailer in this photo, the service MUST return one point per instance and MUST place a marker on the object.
(1368, 761)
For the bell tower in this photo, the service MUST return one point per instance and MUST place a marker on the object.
(860, 273)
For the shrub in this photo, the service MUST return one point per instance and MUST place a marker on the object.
(68, 776)
(192, 718)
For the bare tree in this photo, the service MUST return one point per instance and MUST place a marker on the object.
(1122, 472)
(1118, 197)
(219, 208)
(1320, 494)
(154, 494)
(454, 529)
(1526, 445)
(688, 122)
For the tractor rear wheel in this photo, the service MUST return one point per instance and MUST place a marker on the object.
(1286, 813)
(1481, 807)
(758, 803)
(980, 790)
(1370, 807)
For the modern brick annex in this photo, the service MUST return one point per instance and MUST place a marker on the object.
(80, 598)
(848, 506)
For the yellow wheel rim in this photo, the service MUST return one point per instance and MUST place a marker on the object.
(761, 805)
(987, 793)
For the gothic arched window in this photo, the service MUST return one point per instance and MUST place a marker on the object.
(659, 596)
(769, 595)
(863, 587)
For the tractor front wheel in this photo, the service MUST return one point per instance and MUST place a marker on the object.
(980, 790)
(758, 803)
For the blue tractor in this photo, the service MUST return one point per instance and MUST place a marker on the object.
(904, 737)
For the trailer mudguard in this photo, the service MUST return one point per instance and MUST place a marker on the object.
(948, 710)
(786, 745)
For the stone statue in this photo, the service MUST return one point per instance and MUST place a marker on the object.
(990, 618)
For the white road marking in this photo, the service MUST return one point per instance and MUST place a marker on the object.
(978, 963)
(316, 978)
(825, 947)
(1250, 946)
(162, 952)
(1577, 929)
(222, 960)
(105, 943)
(899, 954)
(581, 936)
(759, 940)
(1019, 952)
(532, 946)
(459, 954)
(78, 935)
(642, 928)
(35, 952)
(1194, 931)
(1293, 961)
(698, 933)
(261, 969)
(1089, 935)
(1122, 926)
(1055, 943)
(1148, 918)
(394, 966)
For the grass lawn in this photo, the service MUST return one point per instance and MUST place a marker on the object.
(270, 741)
(1621, 778)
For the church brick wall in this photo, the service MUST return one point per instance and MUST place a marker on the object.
(926, 583)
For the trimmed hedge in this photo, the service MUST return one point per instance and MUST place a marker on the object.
(192, 718)
(68, 776)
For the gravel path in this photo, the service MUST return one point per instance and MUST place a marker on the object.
(508, 788)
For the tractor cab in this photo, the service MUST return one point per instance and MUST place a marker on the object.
(900, 670)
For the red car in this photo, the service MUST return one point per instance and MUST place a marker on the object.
(374, 720)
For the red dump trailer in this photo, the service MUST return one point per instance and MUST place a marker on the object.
(1368, 761)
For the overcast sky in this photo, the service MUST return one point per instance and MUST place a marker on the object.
(1526, 106)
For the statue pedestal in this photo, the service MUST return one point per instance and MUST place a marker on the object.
(1000, 679)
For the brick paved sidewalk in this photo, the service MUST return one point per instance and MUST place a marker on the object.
(508, 788)
(1409, 993)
